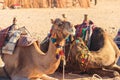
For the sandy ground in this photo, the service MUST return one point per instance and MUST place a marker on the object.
(105, 14)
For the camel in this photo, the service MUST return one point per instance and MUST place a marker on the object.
(30, 63)
(101, 58)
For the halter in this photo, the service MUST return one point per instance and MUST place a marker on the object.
(82, 55)
(60, 47)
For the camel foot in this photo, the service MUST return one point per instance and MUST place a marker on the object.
(46, 77)
(36, 79)
(116, 78)
(103, 73)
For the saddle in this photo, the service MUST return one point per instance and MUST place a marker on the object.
(10, 39)
(3, 35)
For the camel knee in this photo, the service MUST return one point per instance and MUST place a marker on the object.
(115, 67)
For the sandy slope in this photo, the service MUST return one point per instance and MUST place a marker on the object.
(106, 15)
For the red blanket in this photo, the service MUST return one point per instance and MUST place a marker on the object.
(3, 34)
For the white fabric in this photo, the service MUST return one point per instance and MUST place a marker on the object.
(10, 45)
(2, 64)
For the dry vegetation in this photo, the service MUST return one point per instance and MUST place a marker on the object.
(48, 3)
(105, 14)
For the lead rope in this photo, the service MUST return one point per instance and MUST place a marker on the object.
(64, 63)
(96, 77)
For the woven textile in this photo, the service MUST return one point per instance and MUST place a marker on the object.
(26, 41)
(10, 45)
(3, 34)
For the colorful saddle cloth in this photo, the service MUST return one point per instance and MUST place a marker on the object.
(3, 34)
(9, 46)
(16, 39)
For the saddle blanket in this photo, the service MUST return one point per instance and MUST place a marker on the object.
(3, 34)
(26, 40)
(20, 37)
(9, 47)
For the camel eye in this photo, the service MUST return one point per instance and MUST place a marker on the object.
(60, 24)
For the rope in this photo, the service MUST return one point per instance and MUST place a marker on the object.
(96, 77)
(68, 56)
(64, 63)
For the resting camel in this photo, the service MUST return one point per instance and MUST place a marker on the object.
(30, 63)
(100, 58)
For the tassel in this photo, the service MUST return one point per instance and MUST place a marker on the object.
(57, 56)
(53, 38)
(57, 51)
(83, 61)
(63, 57)
(61, 52)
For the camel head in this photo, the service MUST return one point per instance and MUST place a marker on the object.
(62, 29)
(79, 55)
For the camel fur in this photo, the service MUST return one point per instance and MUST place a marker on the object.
(101, 59)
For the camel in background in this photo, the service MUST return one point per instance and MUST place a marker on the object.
(30, 62)
(101, 58)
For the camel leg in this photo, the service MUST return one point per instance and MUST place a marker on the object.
(115, 67)
(103, 72)
(36, 79)
(19, 78)
(46, 77)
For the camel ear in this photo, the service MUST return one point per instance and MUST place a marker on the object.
(52, 21)
(64, 17)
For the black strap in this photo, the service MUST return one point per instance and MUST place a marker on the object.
(6, 73)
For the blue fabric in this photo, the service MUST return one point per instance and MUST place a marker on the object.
(53, 40)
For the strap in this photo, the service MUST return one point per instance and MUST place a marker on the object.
(5, 71)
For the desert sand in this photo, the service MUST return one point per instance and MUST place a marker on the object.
(105, 14)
